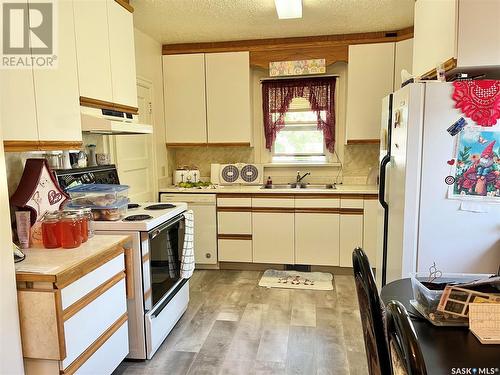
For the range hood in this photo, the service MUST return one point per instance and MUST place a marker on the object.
(108, 122)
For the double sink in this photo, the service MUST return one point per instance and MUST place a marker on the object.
(300, 186)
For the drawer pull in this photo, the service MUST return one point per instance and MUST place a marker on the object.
(129, 272)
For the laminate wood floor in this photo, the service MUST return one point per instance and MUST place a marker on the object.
(233, 326)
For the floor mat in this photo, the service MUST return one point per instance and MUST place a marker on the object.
(297, 280)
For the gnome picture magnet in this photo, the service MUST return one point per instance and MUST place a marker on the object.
(477, 167)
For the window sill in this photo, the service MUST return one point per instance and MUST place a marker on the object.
(300, 164)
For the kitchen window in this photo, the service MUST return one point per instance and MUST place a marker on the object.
(299, 140)
(299, 118)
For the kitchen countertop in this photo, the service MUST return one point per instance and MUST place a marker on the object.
(57, 265)
(341, 189)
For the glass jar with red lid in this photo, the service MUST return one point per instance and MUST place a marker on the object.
(71, 231)
(51, 230)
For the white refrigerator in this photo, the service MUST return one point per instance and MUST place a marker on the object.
(419, 224)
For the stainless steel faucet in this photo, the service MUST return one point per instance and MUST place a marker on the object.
(300, 178)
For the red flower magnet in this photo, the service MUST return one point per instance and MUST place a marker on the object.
(479, 100)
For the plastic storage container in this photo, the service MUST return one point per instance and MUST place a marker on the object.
(115, 211)
(426, 300)
(103, 195)
(108, 202)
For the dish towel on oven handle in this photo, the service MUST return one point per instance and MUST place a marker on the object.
(187, 257)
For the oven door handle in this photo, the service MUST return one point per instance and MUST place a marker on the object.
(156, 231)
(154, 234)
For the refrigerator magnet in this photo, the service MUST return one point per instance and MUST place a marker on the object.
(457, 126)
(449, 180)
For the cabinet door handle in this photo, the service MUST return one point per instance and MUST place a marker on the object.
(129, 272)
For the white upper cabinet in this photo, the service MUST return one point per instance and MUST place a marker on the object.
(41, 104)
(465, 30)
(370, 78)
(403, 59)
(56, 90)
(105, 51)
(228, 97)
(92, 47)
(122, 53)
(185, 101)
(17, 105)
(207, 98)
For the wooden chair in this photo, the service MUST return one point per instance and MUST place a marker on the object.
(405, 353)
(372, 315)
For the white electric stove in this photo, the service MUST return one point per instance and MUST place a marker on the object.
(160, 296)
(144, 217)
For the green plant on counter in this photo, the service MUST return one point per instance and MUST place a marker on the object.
(198, 184)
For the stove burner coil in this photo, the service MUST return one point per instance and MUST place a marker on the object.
(138, 218)
(161, 206)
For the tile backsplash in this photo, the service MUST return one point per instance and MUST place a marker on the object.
(358, 160)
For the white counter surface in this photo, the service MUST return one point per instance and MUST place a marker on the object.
(341, 189)
(54, 261)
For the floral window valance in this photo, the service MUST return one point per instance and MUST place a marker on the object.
(278, 94)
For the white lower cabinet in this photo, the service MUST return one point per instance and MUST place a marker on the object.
(273, 237)
(79, 329)
(235, 250)
(316, 230)
(317, 239)
(372, 214)
(351, 237)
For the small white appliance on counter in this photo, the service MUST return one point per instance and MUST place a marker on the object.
(421, 225)
(160, 295)
(186, 175)
(237, 173)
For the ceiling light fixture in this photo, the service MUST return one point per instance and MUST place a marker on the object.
(288, 9)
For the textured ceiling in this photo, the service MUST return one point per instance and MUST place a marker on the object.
(184, 21)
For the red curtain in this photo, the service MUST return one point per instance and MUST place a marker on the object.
(278, 94)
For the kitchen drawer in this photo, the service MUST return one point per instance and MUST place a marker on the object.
(317, 202)
(234, 222)
(234, 202)
(351, 203)
(108, 356)
(84, 326)
(235, 250)
(278, 202)
(84, 285)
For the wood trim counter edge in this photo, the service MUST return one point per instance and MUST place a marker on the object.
(95, 346)
(210, 144)
(247, 237)
(363, 141)
(19, 146)
(126, 5)
(101, 104)
(76, 271)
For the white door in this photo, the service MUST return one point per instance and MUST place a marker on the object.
(134, 153)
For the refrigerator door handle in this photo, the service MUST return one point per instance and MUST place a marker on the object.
(381, 186)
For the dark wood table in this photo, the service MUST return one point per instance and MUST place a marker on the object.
(445, 348)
